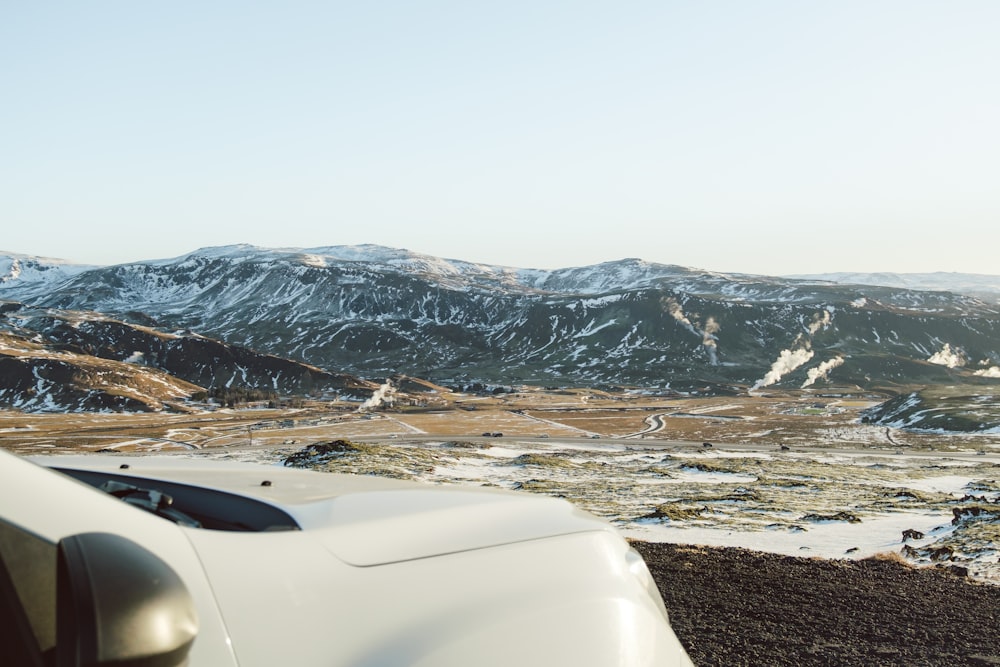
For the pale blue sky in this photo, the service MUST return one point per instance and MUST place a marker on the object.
(754, 136)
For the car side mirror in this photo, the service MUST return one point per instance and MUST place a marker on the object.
(118, 603)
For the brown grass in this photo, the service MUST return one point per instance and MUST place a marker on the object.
(892, 557)
(792, 419)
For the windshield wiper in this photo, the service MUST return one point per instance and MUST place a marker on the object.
(150, 500)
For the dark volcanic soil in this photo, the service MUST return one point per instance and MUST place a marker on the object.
(738, 607)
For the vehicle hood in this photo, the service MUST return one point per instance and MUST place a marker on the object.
(364, 520)
(381, 527)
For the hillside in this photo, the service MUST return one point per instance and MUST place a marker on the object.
(372, 312)
(39, 378)
(55, 361)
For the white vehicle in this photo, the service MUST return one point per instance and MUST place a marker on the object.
(262, 565)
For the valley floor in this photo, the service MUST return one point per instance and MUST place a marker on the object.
(790, 473)
(796, 474)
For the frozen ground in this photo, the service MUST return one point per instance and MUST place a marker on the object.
(831, 505)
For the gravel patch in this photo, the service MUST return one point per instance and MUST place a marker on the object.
(733, 606)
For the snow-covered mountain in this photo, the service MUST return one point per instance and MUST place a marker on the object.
(374, 311)
(29, 275)
(986, 287)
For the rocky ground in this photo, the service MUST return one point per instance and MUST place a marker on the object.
(738, 607)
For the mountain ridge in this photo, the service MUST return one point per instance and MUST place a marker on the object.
(549, 279)
(974, 284)
(371, 311)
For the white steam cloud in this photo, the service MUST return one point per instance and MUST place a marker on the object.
(136, 357)
(381, 396)
(799, 353)
(991, 372)
(708, 339)
(822, 371)
(786, 362)
(677, 313)
(820, 321)
(948, 357)
(707, 335)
